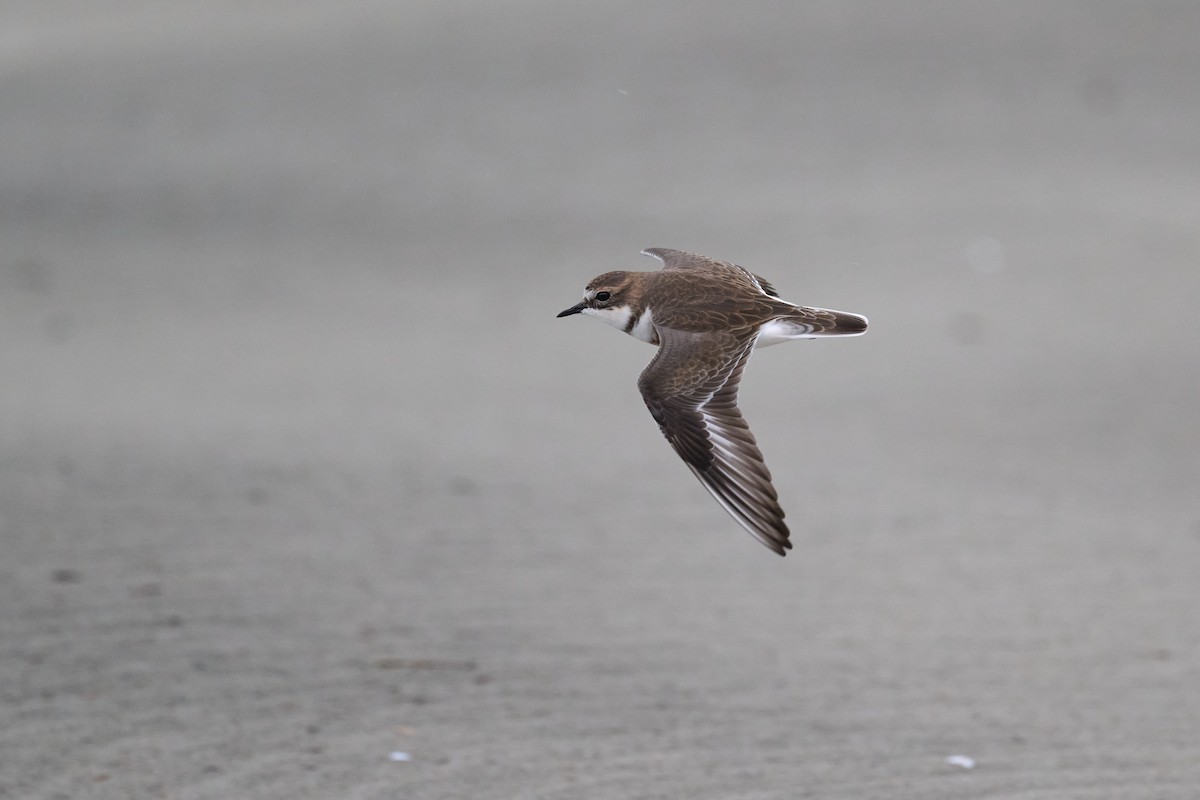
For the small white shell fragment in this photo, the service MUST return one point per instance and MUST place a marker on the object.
(399, 755)
(966, 762)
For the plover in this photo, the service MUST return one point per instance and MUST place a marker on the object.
(707, 316)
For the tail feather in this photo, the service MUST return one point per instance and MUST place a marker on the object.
(840, 323)
(810, 323)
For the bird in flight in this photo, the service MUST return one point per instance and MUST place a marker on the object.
(707, 316)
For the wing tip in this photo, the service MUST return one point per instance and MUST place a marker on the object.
(779, 546)
(773, 533)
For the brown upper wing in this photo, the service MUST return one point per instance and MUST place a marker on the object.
(681, 259)
(691, 390)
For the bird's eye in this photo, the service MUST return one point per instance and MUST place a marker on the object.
(603, 296)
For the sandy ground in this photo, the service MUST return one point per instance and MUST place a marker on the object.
(298, 470)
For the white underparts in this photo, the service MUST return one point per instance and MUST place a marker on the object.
(781, 330)
(644, 327)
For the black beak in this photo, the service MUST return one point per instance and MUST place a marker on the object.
(575, 309)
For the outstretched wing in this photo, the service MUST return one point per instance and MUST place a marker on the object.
(691, 390)
(680, 259)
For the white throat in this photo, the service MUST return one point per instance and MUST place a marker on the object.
(620, 318)
(617, 316)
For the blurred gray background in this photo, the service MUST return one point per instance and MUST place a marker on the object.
(298, 469)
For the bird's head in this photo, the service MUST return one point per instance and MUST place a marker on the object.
(609, 297)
